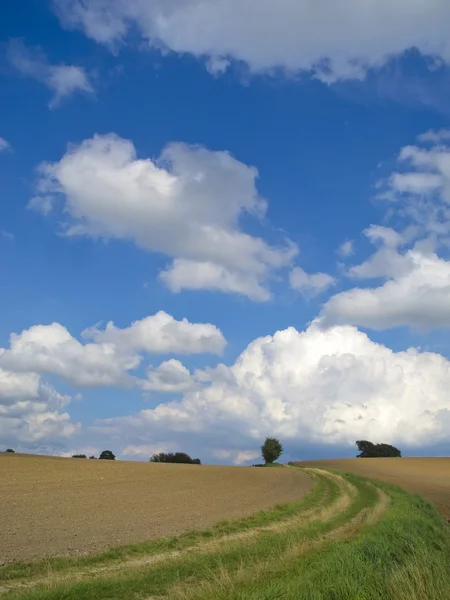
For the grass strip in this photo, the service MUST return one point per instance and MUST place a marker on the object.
(405, 556)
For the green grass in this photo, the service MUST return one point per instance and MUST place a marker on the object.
(403, 556)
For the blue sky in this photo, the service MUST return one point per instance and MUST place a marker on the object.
(161, 162)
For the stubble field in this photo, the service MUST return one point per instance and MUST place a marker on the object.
(429, 477)
(57, 506)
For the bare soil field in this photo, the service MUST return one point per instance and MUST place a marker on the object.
(61, 506)
(429, 477)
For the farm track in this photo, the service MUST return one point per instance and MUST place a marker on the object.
(429, 477)
(325, 516)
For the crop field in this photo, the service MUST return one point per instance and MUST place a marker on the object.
(346, 538)
(429, 477)
(53, 506)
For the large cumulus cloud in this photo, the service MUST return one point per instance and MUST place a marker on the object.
(318, 386)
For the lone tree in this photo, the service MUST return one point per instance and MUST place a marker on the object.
(370, 450)
(10, 450)
(271, 450)
(107, 455)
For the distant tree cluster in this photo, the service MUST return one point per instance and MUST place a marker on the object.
(79, 456)
(370, 450)
(177, 457)
(10, 450)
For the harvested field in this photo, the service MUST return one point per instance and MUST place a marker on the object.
(55, 506)
(429, 477)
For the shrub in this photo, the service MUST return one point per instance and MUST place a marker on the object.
(370, 450)
(107, 455)
(177, 457)
(79, 456)
(271, 450)
(93, 457)
(10, 450)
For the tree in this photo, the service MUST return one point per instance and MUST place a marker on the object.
(271, 450)
(177, 457)
(79, 456)
(93, 457)
(369, 450)
(10, 450)
(107, 455)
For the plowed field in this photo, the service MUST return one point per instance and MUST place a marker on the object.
(53, 506)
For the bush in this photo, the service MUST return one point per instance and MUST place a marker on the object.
(370, 450)
(79, 456)
(10, 450)
(177, 457)
(107, 455)
(93, 457)
(271, 450)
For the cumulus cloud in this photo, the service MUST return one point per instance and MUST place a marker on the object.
(62, 80)
(4, 145)
(310, 284)
(333, 40)
(51, 349)
(328, 386)
(417, 295)
(169, 377)
(187, 204)
(162, 334)
(31, 410)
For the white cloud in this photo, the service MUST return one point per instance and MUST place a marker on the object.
(51, 349)
(346, 249)
(435, 137)
(4, 145)
(418, 296)
(169, 377)
(412, 259)
(191, 275)
(336, 40)
(319, 386)
(62, 80)
(162, 334)
(310, 284)
(187, 204)
(30, 410)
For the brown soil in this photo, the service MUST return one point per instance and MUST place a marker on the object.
(429, 477)
(55, 506)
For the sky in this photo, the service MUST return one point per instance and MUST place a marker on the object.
(224, 220)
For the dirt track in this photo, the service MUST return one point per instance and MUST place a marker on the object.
(53, 506)
(429, 477)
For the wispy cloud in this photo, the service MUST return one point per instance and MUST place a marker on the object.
(62, 80)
